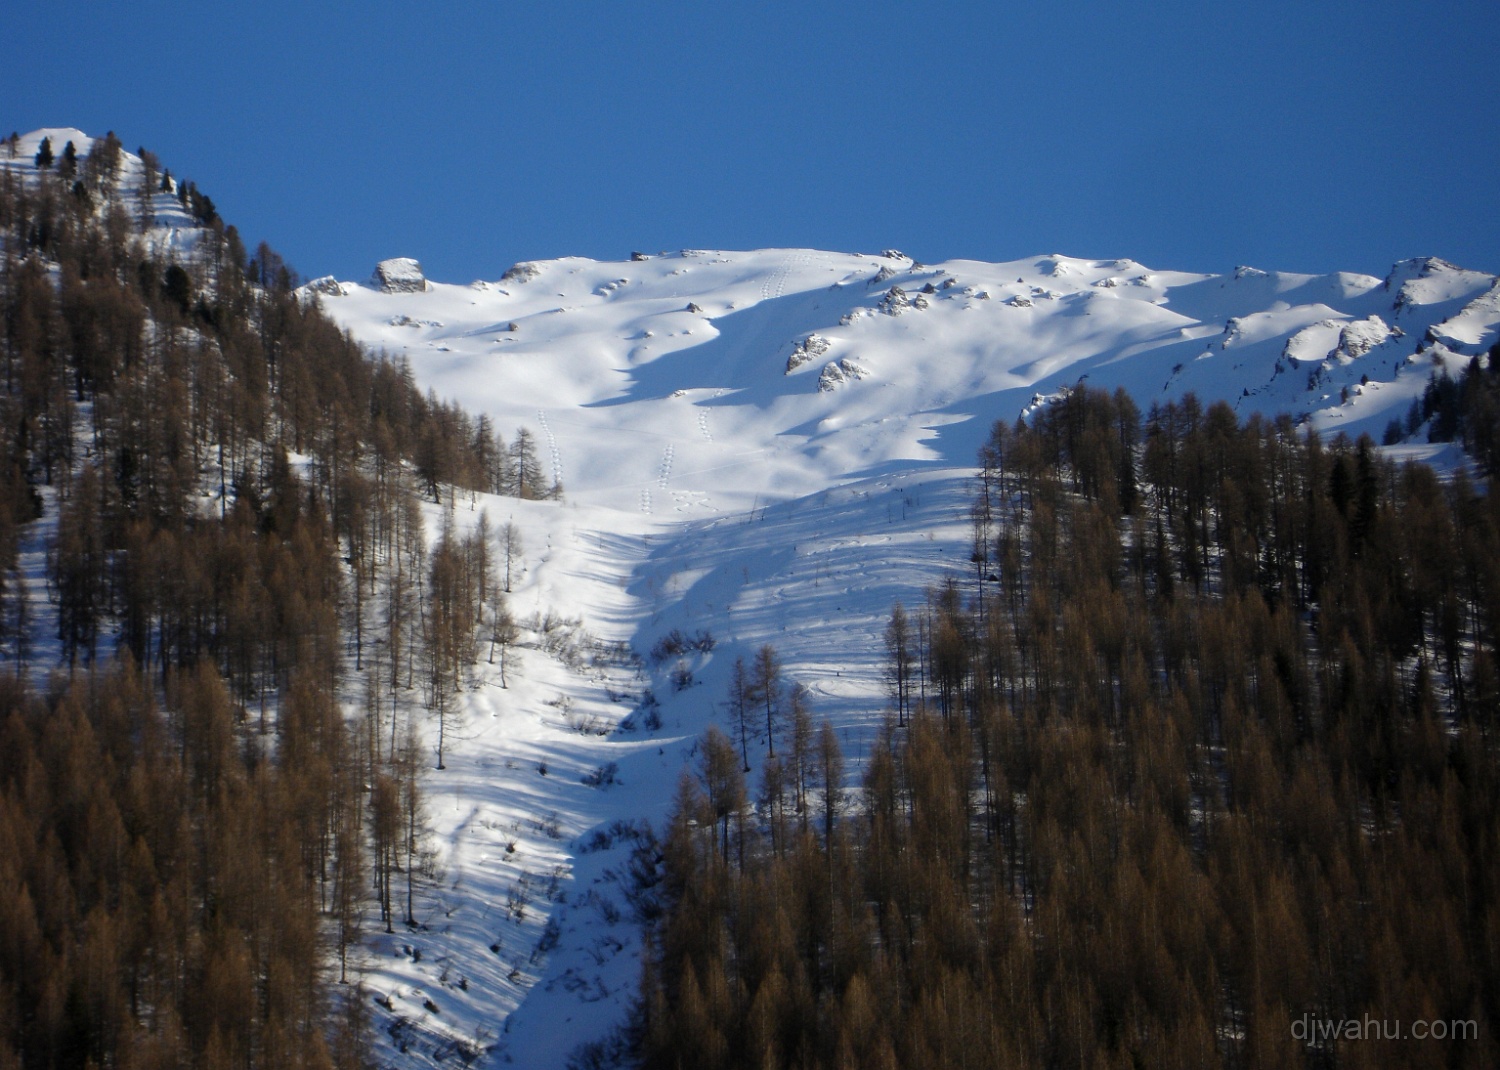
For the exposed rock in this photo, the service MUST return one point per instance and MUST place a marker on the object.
(1361, 336)
(399, 275)
(525, 271)
(327, 286)
(894, 302)
(1233, 328)
(836, 373)
(814, 345)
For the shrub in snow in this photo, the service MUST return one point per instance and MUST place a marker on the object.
(603, 776)
(677, 643)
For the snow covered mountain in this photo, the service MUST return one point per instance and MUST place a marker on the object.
(808, 368)
(761, 447)
(773, 447)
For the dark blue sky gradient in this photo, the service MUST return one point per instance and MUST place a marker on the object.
(1188, 135)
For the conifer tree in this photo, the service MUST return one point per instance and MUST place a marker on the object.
(764, 690)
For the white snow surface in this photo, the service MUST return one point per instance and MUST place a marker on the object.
(715, 481)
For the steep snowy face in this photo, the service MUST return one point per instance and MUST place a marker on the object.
(743, 375)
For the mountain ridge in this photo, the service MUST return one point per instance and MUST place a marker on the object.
(965, 342)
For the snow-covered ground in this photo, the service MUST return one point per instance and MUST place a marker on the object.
(772, 447)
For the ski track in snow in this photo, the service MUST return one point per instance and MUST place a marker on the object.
(557, 468)
(665, 471)
(774, 284)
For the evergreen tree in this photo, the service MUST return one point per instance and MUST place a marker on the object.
(528, 470)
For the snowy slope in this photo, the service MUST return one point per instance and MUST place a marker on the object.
(774, 446)
(625, 363)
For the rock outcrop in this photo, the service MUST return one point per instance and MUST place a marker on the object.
(400, 275)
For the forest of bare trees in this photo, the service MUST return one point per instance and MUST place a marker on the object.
(1209, 746)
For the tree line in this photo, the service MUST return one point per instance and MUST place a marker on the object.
(1205, 742)
(1464, 410)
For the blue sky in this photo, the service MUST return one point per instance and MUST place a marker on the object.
(1188, 135)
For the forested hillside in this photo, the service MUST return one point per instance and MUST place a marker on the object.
(1195, 741)
(209, 514)
(1203, 746)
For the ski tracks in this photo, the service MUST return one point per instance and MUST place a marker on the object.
(774, 284)
(663, 475)
(557, 468)
(666, 465)
(703, 428)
